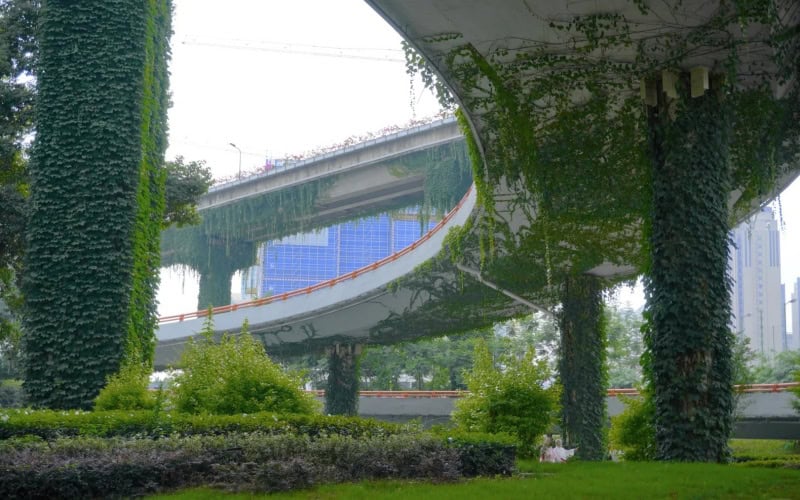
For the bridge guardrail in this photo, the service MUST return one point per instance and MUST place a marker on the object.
(750, 388)
(746, 389)
(324, 284)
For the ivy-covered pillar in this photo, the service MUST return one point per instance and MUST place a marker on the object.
(341, 390)
(688, 289)
(218, 261)
(215, 288)
(582, 366)
(96, 195)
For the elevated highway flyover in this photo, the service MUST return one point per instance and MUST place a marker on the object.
(508, 260)
(598, 131)
(424, 165)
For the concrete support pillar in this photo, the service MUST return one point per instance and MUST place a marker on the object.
(341, 391)
(215, 288)
(688, 288)
(220, 260)
(581, 366)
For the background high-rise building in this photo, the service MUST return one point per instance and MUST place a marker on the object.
(795, 343)
(758, 303)
(306, 259)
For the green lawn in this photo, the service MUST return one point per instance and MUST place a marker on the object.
(566, 481)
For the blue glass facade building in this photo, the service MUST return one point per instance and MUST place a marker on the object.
(306, 259)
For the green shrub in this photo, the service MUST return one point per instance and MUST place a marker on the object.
(236, 376)
(126, 390)
(512, 400)
(632, 431)
(52, 424)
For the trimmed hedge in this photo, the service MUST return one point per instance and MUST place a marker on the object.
(482, 453)
(93, 467)
(52, 424)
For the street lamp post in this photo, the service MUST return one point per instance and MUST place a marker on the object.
(240, 159)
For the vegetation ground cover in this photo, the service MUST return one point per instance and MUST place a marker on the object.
(573, 480)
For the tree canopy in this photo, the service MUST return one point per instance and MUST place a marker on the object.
(186, 182)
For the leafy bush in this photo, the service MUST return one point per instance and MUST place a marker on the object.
(126, 390)
(513, 400)
(236, 376)
(92, 467)
(632, 431)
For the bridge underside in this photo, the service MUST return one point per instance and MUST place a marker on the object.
(482, 49)
(547, 55)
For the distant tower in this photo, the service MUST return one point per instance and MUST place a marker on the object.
(796, 316)
(758, 303)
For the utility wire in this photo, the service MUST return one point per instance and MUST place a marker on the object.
(309, 50)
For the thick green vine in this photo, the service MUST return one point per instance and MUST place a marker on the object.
(142, 314)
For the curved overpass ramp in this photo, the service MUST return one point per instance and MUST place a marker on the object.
(367, 305)
(398, 300)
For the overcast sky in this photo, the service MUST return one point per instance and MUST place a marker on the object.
(250, 72)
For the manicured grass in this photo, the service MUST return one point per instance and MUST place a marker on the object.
(572, 480)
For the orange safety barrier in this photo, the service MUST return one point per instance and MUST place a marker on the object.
(611, 392)
(323, 284)
(767, 387)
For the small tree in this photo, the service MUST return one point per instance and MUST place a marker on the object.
(632, 431)
(510, 398)
(235, 376)
(186, 182)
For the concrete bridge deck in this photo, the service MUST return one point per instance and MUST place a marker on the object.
(376, 302)
(355, 157)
